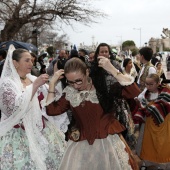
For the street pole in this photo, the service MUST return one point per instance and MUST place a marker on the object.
(120, 42)
(140, 34)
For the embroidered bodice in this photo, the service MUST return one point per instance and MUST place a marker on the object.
(90, 118)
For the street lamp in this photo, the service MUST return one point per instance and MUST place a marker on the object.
(35, 34)
(120, 42)
(140, 33)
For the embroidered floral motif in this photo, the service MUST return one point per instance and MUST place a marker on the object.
(7, 95)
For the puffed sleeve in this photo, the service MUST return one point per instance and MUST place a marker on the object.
(58, 107)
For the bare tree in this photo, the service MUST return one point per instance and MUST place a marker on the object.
(53, 39)
(14, 14)
(25, 33)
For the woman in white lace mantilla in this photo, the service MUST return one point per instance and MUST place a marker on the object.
(28, 140)
(95, 141)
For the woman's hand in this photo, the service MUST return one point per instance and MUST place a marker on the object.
(42, 79)
(57, 76)
(105, 63)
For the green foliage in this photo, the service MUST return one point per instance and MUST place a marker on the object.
(129, 44)
(166, 49)
(157, 49)
(134, 51)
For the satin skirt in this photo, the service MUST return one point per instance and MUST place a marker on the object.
(104, 154)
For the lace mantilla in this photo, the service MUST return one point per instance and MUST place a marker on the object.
(17, 103)
(76, 97)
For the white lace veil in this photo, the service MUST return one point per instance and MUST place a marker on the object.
(19, 107)
(9, 69)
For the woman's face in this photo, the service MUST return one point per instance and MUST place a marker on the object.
(129, 65)
(77, 79)
(141, 58)
(151, 85)
(159, 66)
(137, 57)
(104, 51)
(24, 65)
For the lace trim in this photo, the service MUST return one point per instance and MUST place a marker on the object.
(126, 83)
(122, 155)
(76, 97)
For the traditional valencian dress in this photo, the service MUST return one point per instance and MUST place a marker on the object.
(27, 140)
(155, 108)
(94, 142)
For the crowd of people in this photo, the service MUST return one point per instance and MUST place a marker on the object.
(83, 111)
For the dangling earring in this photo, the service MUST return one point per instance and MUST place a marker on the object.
(89, 79)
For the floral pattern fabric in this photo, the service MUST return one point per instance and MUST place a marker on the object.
(14, 149)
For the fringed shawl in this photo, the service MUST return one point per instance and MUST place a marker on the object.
(158, 109)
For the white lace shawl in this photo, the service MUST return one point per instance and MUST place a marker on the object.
(16, 104)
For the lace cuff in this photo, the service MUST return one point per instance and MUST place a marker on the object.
(127, 81)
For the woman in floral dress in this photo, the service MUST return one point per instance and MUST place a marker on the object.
(27, 140)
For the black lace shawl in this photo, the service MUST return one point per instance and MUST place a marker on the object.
(107, 87)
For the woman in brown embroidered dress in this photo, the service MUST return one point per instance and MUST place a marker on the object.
(95, 142)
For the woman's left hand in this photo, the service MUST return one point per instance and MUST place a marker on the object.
(105, 63)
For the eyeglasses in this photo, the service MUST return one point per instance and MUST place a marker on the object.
(147, 84)
(78, 82)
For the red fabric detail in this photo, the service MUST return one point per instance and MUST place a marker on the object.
(21, 126)
(40, 97)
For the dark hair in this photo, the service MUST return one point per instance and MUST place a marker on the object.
(35, 58)
(17, 53)
(98, 48)
(75, 64)
(147, 53)
(126, 61)
(33, 55)
(3, 53)
(84, 51)
(157, 63)
(74, 53)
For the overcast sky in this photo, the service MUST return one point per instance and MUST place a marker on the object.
(124, 15)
